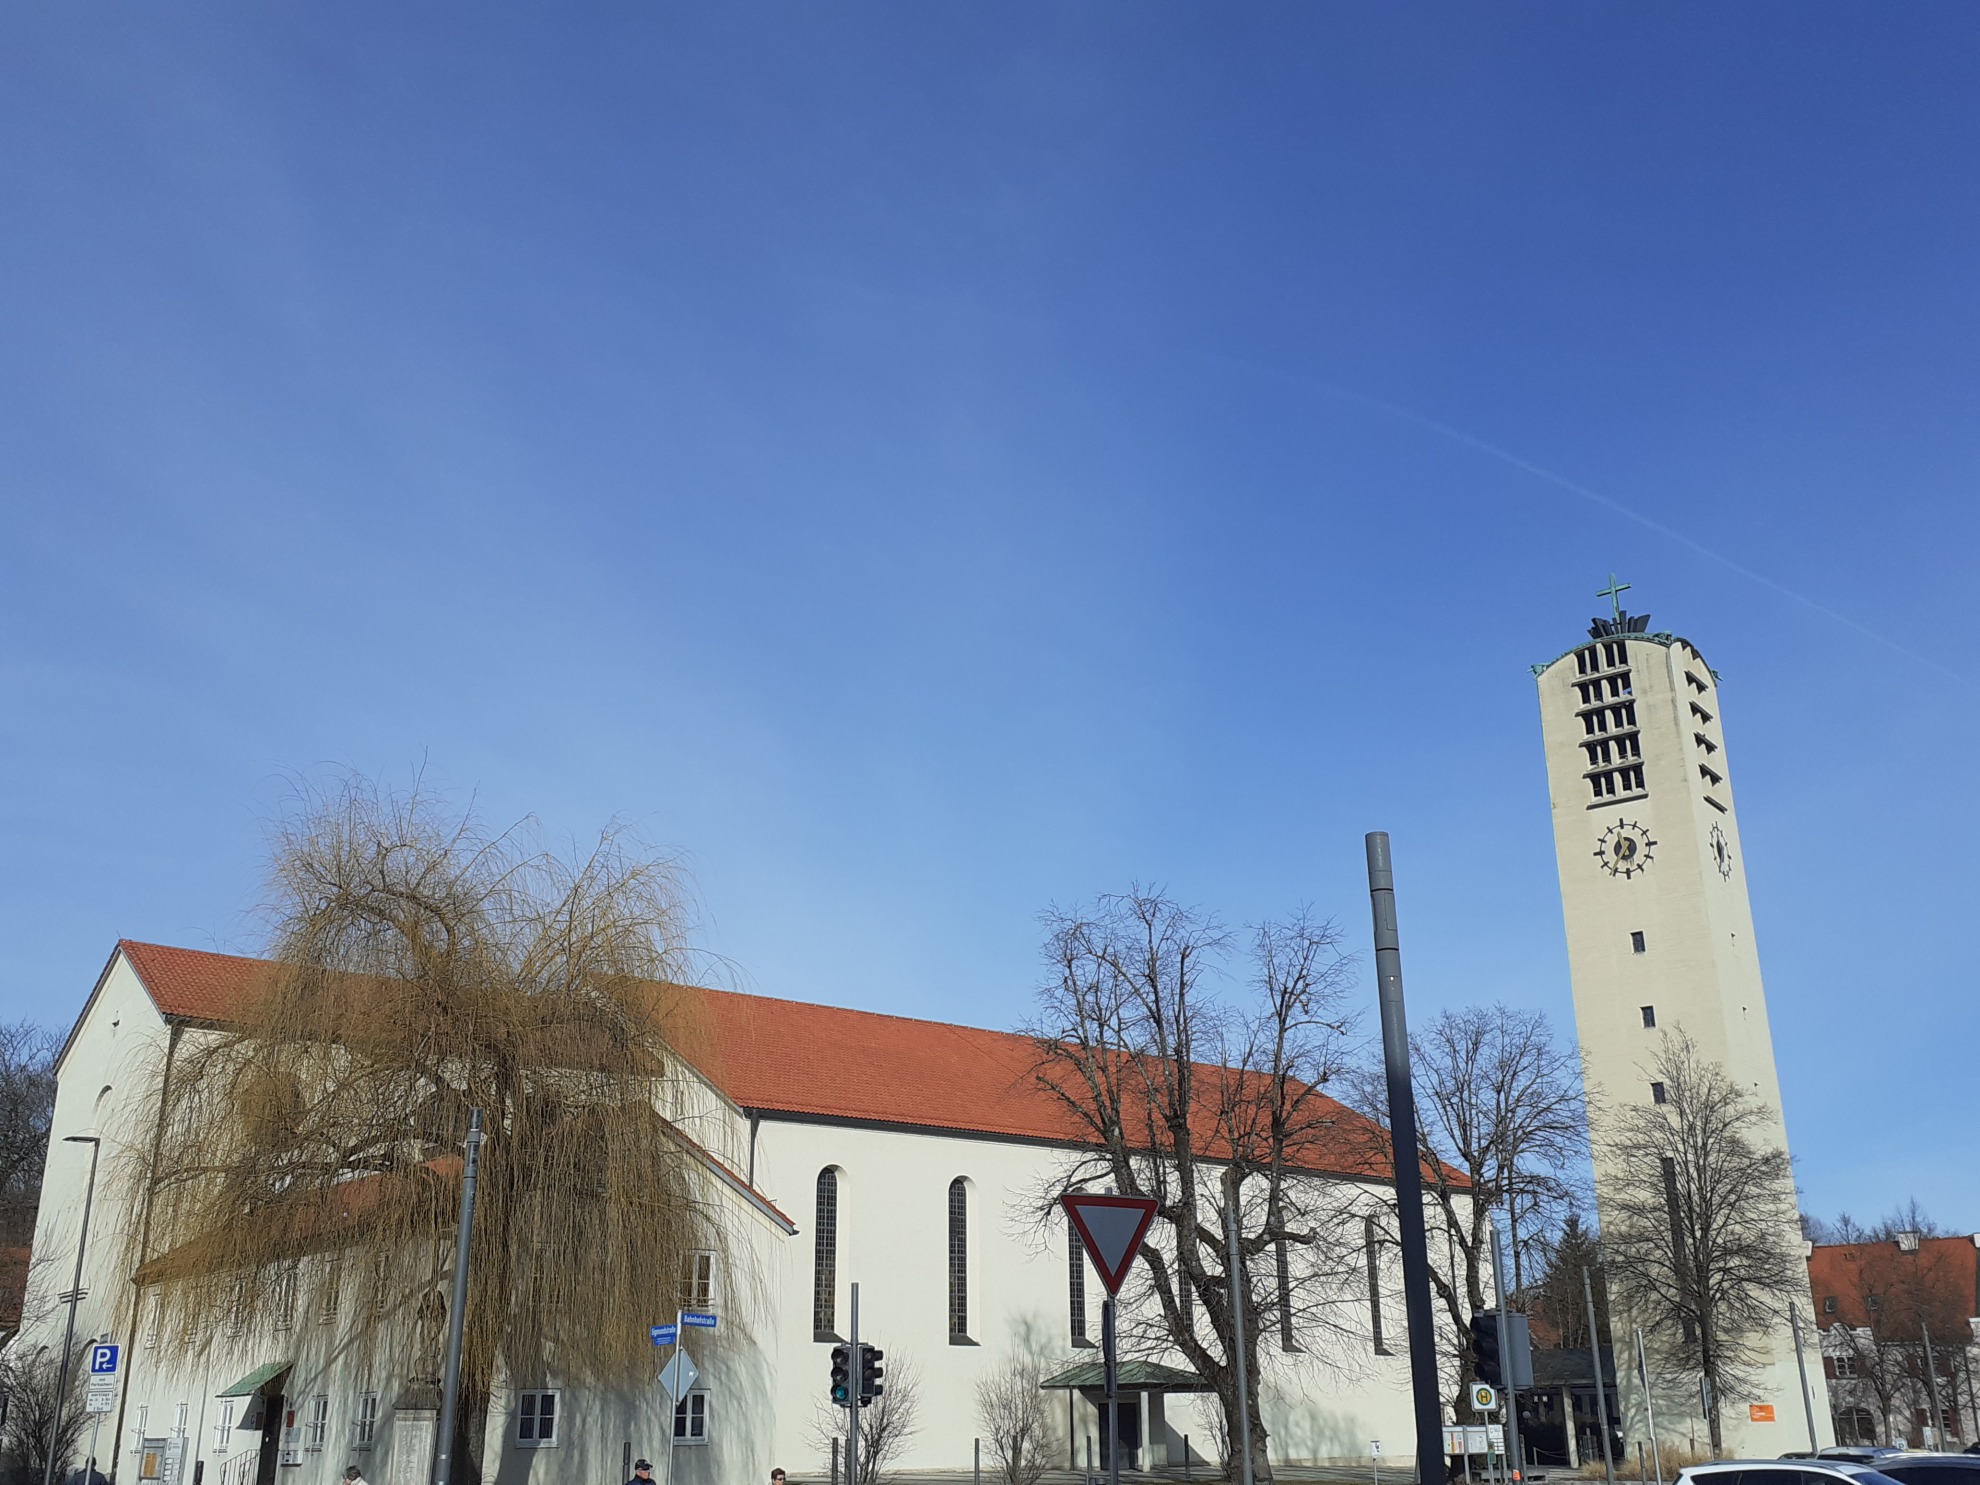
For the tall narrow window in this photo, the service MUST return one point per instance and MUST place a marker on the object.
(1372, 1246)
(958, 1259)
(1650, 1017)
(1658, 1095)
(1636, 944)
(1282, 1260)
(1076, 1286)
(825, 1258)
(331, 1294)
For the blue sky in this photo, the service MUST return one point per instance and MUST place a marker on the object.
(923, 463)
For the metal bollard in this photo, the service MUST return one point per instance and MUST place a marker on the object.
(835, 1462)
(978, 1466)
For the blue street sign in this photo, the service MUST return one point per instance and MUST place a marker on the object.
(663, 1335)
(102, 1360)
(697, 1320)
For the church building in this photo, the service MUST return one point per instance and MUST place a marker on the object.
(1660, 939)
(844, 1147)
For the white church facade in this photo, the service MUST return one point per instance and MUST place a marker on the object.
(845, 1147)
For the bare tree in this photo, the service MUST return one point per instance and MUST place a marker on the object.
(1011, 1410)
(1502, 1129)
(886, 1426)
(29, 1382)
(422, 968)
(1699, 1230)
(27, 1102)
(1208, 1104)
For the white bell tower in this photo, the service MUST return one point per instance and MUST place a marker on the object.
(1660, 934)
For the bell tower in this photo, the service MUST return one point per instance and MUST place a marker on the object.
(1660, 934)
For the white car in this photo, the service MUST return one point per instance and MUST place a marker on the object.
(1907, 1468)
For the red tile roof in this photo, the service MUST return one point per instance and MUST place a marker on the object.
(1847, 1273)
(794, 1058)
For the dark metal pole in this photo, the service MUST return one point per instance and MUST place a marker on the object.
(1110, 1365)
(1424, 1381)
(1932, 1385)
(1801, 1365)
(1601, 1388)
(852, 1403)
(450, 1389)
(1505, 1358)
(1240, 1292)
(75, 1298)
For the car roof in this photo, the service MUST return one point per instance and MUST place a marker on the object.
(1840, 1466)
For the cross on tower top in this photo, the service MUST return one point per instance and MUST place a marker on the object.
(1613, 593)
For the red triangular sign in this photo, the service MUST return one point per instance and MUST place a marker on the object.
(1110, 1228)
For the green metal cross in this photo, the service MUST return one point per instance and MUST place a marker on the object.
(1613, 593)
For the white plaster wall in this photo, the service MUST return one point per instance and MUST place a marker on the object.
(766, 1374)
(893, 1239)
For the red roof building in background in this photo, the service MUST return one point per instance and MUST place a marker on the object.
(1880, 1305)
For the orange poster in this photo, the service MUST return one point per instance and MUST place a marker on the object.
(1760, 1412)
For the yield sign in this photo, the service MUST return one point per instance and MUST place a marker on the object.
(1111, 1229)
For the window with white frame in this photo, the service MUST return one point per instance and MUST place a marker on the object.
(223, 1427)
(364, 1422)
(137, 1430)
(698, 1280)
(691, 1419)
(538, 1417)
(316, 1422)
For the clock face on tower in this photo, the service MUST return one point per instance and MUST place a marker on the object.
(1624, 849)
(1722, 853)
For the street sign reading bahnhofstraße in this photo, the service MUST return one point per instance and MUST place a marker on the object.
(699, 1320)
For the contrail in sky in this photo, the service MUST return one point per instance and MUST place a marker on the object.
(1628, 512)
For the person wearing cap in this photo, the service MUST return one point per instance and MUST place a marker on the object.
(642, 1472)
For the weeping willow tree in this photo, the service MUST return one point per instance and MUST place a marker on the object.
(309, 1163)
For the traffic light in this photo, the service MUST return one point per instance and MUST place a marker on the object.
(842, 1386)
(1485, 1363)
(870, 1373)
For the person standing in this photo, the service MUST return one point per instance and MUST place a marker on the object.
(642, 1472)
(354, 1476)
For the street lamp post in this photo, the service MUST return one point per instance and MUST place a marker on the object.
(75, 1297)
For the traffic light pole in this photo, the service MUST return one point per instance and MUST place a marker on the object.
(1601, 1388)
(1110, 1364)
(1505, 1359)
(852, 1403)
(1424, 1381)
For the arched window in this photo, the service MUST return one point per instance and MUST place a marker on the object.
(958, 1260)
(1076, 1284)
(825, 1258)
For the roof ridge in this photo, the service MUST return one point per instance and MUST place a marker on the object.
(853, 1010)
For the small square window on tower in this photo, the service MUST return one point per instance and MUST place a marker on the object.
(1650, 1016)
(1636, 941)
(1657, 1094)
